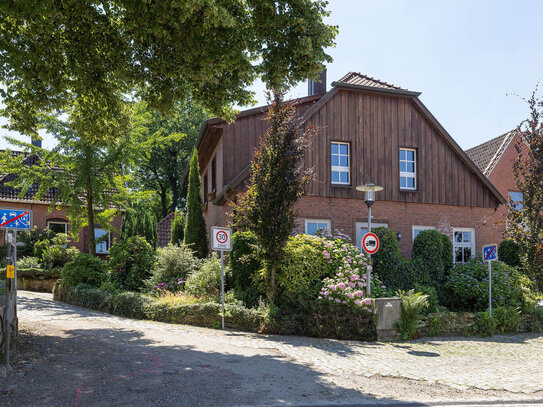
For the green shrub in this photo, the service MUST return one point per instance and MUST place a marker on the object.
(507, 319)
(467, 286)
(447, 253)
(56, 252)
(195, 234)
(508, 252)
(428, 248)
(177, 230)
(130, 304)
(28, 263)
(303, 265)
(431, 292)
(485, 324)
(131, 262)
(84, 269)
(388, 263)
(206, 281)
(412, 305)
(173, 263)
(244, 265)
(29, 240)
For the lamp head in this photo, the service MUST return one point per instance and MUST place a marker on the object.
(369, 190)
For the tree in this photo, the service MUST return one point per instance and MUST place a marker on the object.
(276, 183)
(195, 226)
(525, 218)
(177, 230)
(166, 144)
(96, 54)
(140, 221)
(85, 179)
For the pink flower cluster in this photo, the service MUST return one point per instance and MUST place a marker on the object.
(348, 284)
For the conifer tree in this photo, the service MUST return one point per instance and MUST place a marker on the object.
(195, 235)
(177, 230)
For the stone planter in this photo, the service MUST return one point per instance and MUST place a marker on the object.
(388, 312)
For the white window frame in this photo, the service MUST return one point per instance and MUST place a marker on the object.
(471, 245)
(58, 222)
(408, 174)
(338, 168)
(421, 228)
(328, 223)
(364, 225)
(108, 241)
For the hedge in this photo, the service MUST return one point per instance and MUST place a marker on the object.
(135, 305)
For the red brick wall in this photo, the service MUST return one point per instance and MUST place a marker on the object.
(41, 214)
(504, 181)
(400, 217)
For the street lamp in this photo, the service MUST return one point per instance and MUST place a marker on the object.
(369, 190)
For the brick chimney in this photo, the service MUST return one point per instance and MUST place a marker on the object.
(317, 87)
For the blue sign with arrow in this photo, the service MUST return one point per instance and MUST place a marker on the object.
(15, 219)
(490, 252)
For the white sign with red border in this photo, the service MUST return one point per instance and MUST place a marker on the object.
(221, 238)
(370, 243)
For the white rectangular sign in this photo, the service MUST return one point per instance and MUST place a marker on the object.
(221, 238)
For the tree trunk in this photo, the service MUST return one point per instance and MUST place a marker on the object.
(90, 202)
(174, 185)
(163, 208)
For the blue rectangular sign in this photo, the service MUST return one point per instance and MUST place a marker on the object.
(15, 219)
(490, 252)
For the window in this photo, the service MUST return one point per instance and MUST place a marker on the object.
(214, 175)
(464, 244)
(417, 229)
(408, 169)
(341, 173)
(517, 199)
(102, 241)
(313, 225)
(205, 189)
(57, 226)
(362, 229)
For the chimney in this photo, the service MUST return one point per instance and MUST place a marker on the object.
(36, 142)
(317, 87)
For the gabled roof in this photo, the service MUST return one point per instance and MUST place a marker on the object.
(486, 155)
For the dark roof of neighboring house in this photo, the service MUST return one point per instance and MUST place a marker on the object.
(10, 193)
(486, 155)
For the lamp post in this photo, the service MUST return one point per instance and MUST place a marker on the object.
(369, 190)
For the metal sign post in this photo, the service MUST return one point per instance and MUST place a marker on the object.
(221, 240)
(490, 254)
(370, 244)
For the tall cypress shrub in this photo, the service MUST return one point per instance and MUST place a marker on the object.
(195, 235)
(177, 229)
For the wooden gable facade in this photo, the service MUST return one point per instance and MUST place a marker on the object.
(376, 120)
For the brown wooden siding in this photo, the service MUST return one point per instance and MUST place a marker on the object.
(377, 126)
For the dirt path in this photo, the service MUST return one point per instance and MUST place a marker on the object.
(69, 356)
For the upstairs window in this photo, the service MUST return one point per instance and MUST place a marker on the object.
(408, 169)
(57, 226)
(341, 164)
(214, 175)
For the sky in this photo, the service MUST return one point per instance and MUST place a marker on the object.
(472, 60)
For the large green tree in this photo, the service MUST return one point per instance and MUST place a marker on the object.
(525, 218)
(165, 144)
(84, 178)
(276, 182)
(195, 234)
(94, 55)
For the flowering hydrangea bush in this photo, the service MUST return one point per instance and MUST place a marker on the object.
(348, 267)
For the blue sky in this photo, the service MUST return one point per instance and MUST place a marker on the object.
(468, 58)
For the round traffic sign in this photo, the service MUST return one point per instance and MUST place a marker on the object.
(222, 237)
(370, 243)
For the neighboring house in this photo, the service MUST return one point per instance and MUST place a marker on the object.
(43, 218)
(369, 131)
(495, 160)
(164, 228)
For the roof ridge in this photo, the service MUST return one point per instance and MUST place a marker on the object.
(384, 83)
